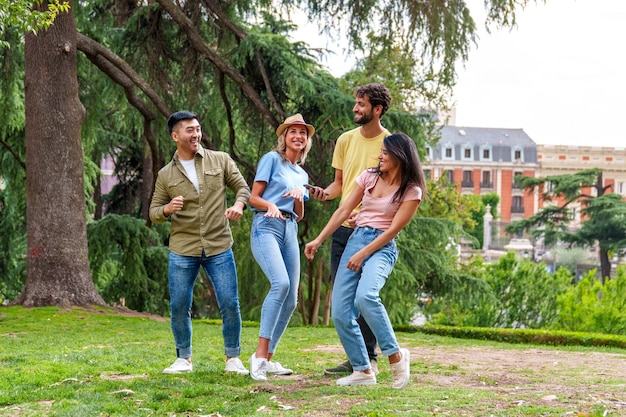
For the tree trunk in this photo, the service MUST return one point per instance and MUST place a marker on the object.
(57, 260)
(605, 266)
(147, 184)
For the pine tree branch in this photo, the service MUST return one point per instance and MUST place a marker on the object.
(123, 74)
(198, 43)
(15, 155)
(241, 35)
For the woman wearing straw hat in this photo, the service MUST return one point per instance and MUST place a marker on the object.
(277, 197)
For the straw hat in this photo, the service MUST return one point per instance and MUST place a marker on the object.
(296, 119)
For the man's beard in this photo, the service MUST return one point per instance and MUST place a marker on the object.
(365, 118)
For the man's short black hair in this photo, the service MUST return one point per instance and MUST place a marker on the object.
(177, 117)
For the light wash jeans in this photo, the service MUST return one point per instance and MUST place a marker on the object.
(275, 247)
(183, 271)
(358, 292)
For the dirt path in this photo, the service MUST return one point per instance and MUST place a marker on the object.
(538, 376)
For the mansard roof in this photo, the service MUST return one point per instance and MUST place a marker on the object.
(485, 135)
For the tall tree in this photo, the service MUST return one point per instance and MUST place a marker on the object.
(603, 214)
(234, 64)
(57, 259)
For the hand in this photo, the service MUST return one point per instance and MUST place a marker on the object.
(355, 262)
(296, 194)
(311, 249)
(352, 219)
(318, 193)
(235, 212)
(273, 212)
(176, 204)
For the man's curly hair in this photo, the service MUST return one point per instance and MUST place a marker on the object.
(377, 94)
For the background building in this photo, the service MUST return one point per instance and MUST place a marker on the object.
(481, 160)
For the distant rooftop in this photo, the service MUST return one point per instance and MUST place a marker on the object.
(485, 135)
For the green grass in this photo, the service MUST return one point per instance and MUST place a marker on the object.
(77, 363)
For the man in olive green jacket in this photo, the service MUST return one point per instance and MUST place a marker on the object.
(190, 191)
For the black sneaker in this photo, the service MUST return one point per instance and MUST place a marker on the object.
(343, 368)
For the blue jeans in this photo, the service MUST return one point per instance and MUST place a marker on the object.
(275, 247)
(357, 293)
(339, 241)
(183, 271)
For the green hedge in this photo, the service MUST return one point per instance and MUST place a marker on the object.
(527, 336)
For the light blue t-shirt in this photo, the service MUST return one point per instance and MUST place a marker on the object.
(280, 176)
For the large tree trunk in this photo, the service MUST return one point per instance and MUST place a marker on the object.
(57, 260)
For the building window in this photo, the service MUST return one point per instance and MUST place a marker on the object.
(427, 173)
(467, 153)
(517, 184)
(429, 153)
(448, 151)
(517, 206)
(450, 176)
(486, 180)
(467, 180)
(517, 154)
(485, 153)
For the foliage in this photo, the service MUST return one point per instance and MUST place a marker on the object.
(524, 336)
(19, 15)
(517, 293)
(591, 306)
(12, 245)
(12, 163)
(604, 213)
(128, 263)
(445, 202)
(427, 263)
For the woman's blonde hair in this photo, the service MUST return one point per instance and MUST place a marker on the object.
(281, 147)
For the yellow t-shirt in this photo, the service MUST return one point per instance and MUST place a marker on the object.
(353, 154)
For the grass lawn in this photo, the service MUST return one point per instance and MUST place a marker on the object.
(77, 363)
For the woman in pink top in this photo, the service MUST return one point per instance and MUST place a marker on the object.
(390, 195)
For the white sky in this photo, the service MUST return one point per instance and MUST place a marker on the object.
(560, 74)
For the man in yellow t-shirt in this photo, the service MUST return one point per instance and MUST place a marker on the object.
(355, 151)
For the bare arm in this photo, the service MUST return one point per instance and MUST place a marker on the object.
(338, 217)
(260, 203)
(332, 191)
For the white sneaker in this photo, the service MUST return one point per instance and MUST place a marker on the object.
(235, 365)
(179, 366)
(258, 368)
(401, 371)
(374, 366)
(275, 368)
(357, 378)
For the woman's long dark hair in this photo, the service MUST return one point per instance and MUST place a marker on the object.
(402, 148)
